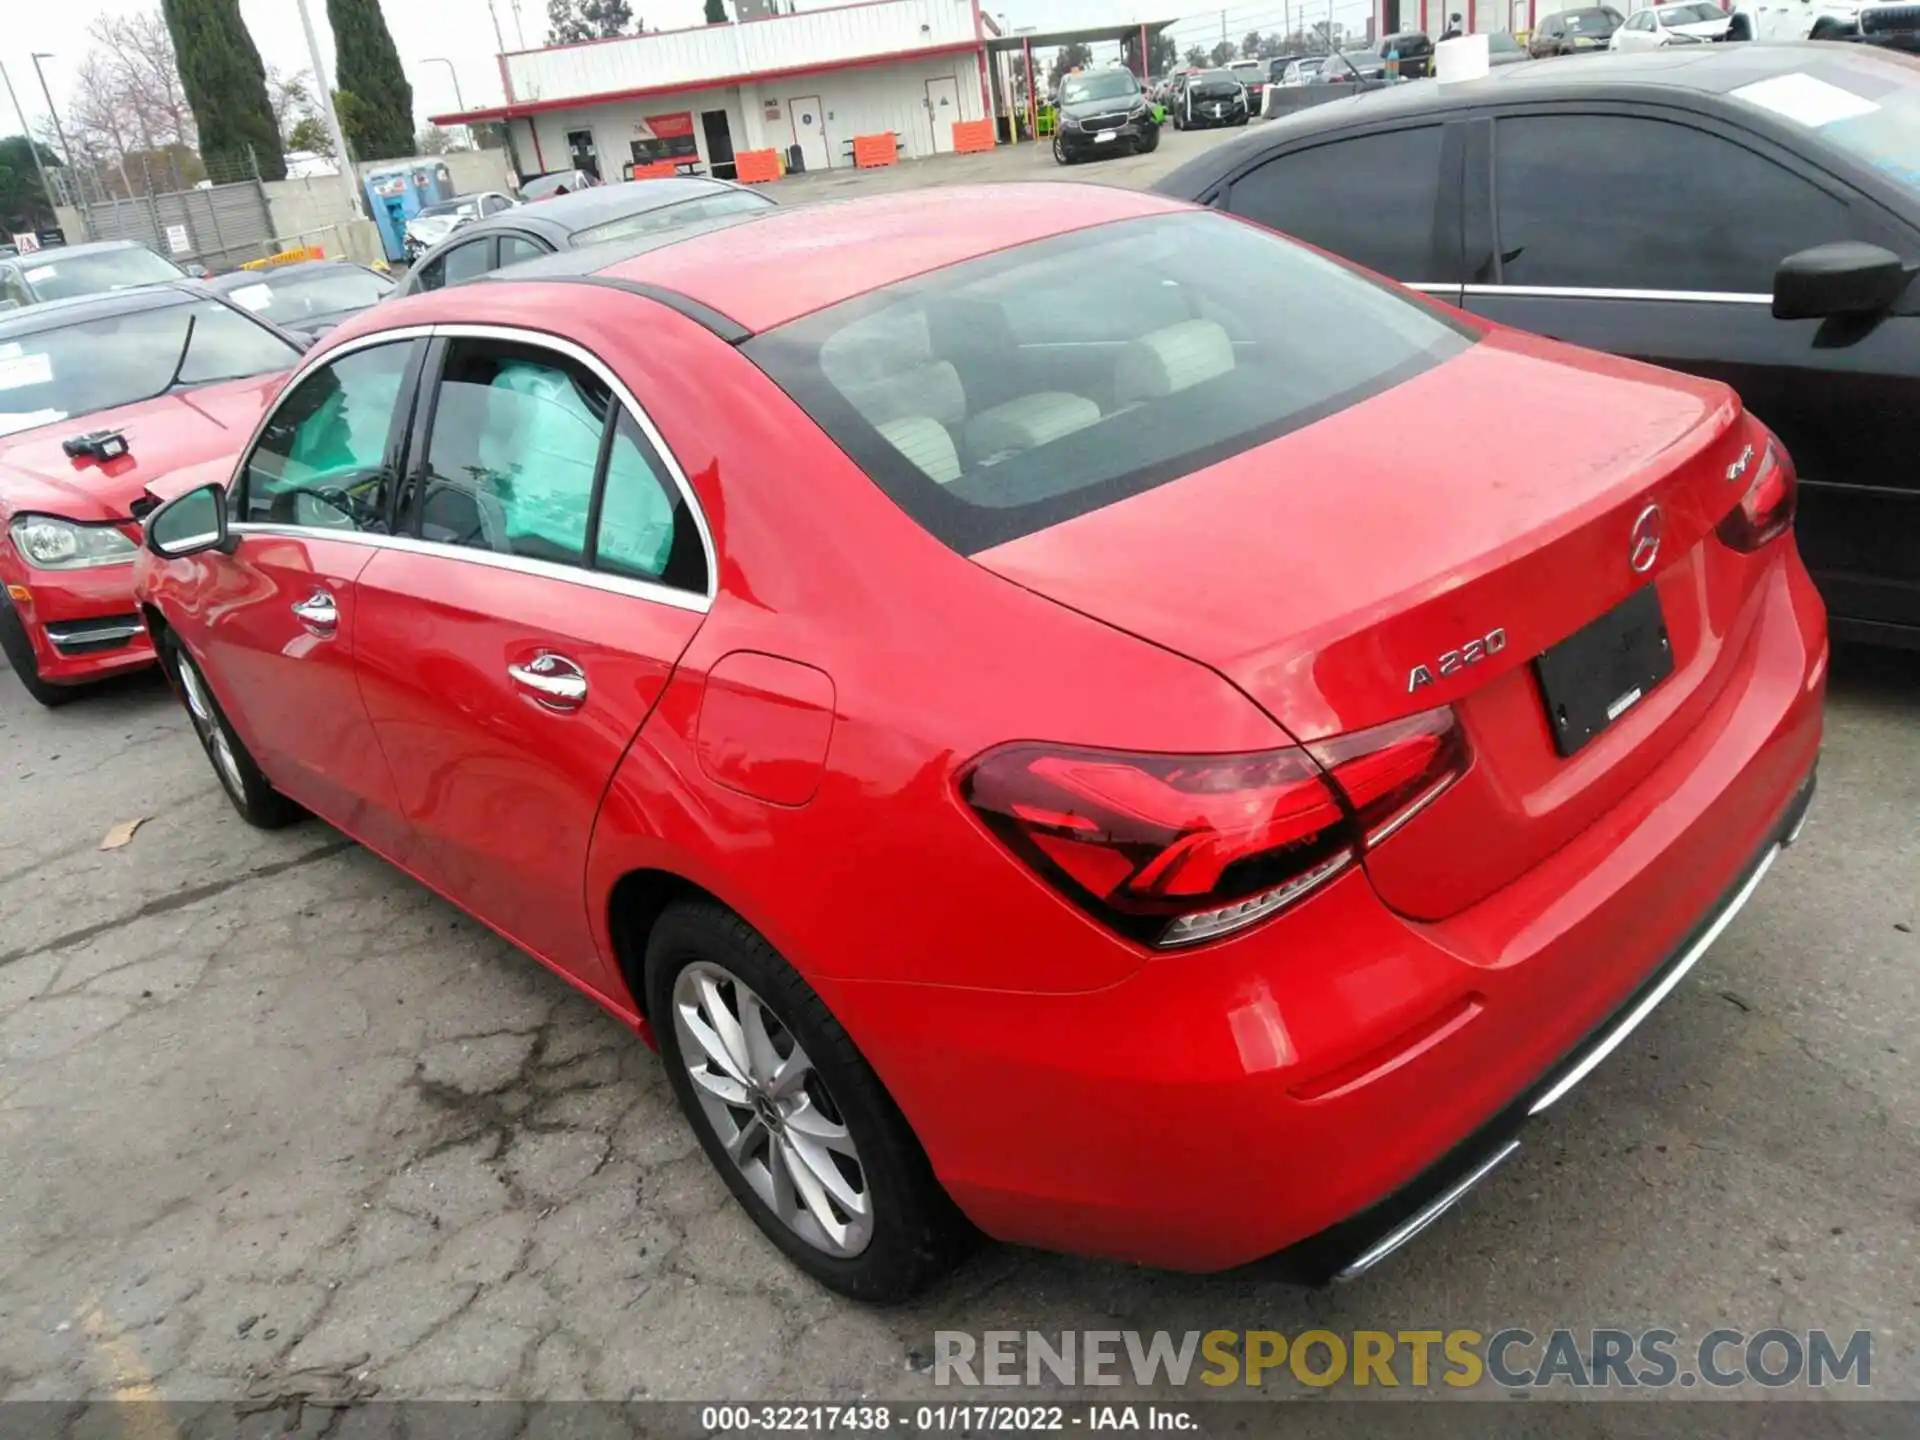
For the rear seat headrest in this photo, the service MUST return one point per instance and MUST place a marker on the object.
(1175, 358)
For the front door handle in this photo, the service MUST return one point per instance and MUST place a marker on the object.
(318, 613)
(551, 680)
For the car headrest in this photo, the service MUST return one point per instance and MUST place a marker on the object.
(1167, 361)
(924, 441)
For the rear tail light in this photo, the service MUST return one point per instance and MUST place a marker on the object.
(1766, 510)
(1176, 849)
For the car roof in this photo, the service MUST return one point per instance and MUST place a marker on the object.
(78, 309)
(744, 274)
(47, 255)
(267, 274)
(578, 209)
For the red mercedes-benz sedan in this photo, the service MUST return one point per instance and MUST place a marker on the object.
(99, 395)
(1054, 709)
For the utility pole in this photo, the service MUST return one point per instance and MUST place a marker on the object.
(33, 149)
(499, 40)
(344, 162)
(458, 100)
(58, 129)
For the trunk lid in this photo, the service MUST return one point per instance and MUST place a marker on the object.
(1495, 495)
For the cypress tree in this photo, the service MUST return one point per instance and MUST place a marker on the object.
(367, 67)
(226, 87)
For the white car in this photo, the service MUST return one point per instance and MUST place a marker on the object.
(435, 222)
(1660, 25)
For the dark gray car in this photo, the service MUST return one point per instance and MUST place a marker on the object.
(567, 222)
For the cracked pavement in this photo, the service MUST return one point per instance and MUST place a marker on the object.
(273, 1117)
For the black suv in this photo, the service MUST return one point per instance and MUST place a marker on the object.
(1102, 112)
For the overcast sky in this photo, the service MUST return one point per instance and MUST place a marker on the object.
(462, 31)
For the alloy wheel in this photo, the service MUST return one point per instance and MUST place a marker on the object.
(213, 735)
(771, 1110)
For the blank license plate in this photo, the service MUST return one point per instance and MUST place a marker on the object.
(1103, 135)
(1601, 671)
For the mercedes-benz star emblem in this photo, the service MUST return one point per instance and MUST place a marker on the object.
(1643, 546)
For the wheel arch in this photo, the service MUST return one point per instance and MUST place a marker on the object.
(634, 906)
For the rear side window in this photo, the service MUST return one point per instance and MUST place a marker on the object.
(1624, 202)
(1371, 199)
(1012, 392)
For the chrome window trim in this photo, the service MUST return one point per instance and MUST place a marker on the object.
(593, 579)
(1581, 292)
(519, 564)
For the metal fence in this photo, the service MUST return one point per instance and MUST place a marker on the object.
(221, 222)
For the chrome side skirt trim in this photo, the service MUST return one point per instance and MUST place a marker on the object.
(1631, 1020)
(1434, 1209)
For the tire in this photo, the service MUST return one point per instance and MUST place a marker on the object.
(259, 804)
(19, 650)
(1061, 155)
(1240, 122)
(1827, 30)
(701, 955)
(1148, 143)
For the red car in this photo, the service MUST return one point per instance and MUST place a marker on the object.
(980, 678)
(98, 395)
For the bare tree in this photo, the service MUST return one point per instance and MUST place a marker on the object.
(291, 97)
(146, 77)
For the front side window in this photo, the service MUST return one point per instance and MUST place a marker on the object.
(515, 248)
(461, 263)
(1014, 391)
(322, 460)
(1624, 202)
(518, 450)
(1371, 199)
(77, 369)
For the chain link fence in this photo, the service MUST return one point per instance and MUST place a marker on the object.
(219, 222)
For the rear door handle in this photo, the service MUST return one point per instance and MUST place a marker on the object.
(551, 680)
(318, 613)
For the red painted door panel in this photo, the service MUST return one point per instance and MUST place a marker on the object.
(501, 788)
(286, 678)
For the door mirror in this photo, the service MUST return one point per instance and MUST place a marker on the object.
(1844, 278)
(197, 270)
(189, 524)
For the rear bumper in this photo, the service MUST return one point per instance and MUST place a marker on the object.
(1323, 1080)
(1346, 1250)
(83, 624)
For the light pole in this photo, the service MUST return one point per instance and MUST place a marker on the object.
(58, 129)
(33, 147)
(345, 162)
(458, 100)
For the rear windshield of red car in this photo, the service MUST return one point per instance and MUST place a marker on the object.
(996, 397)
